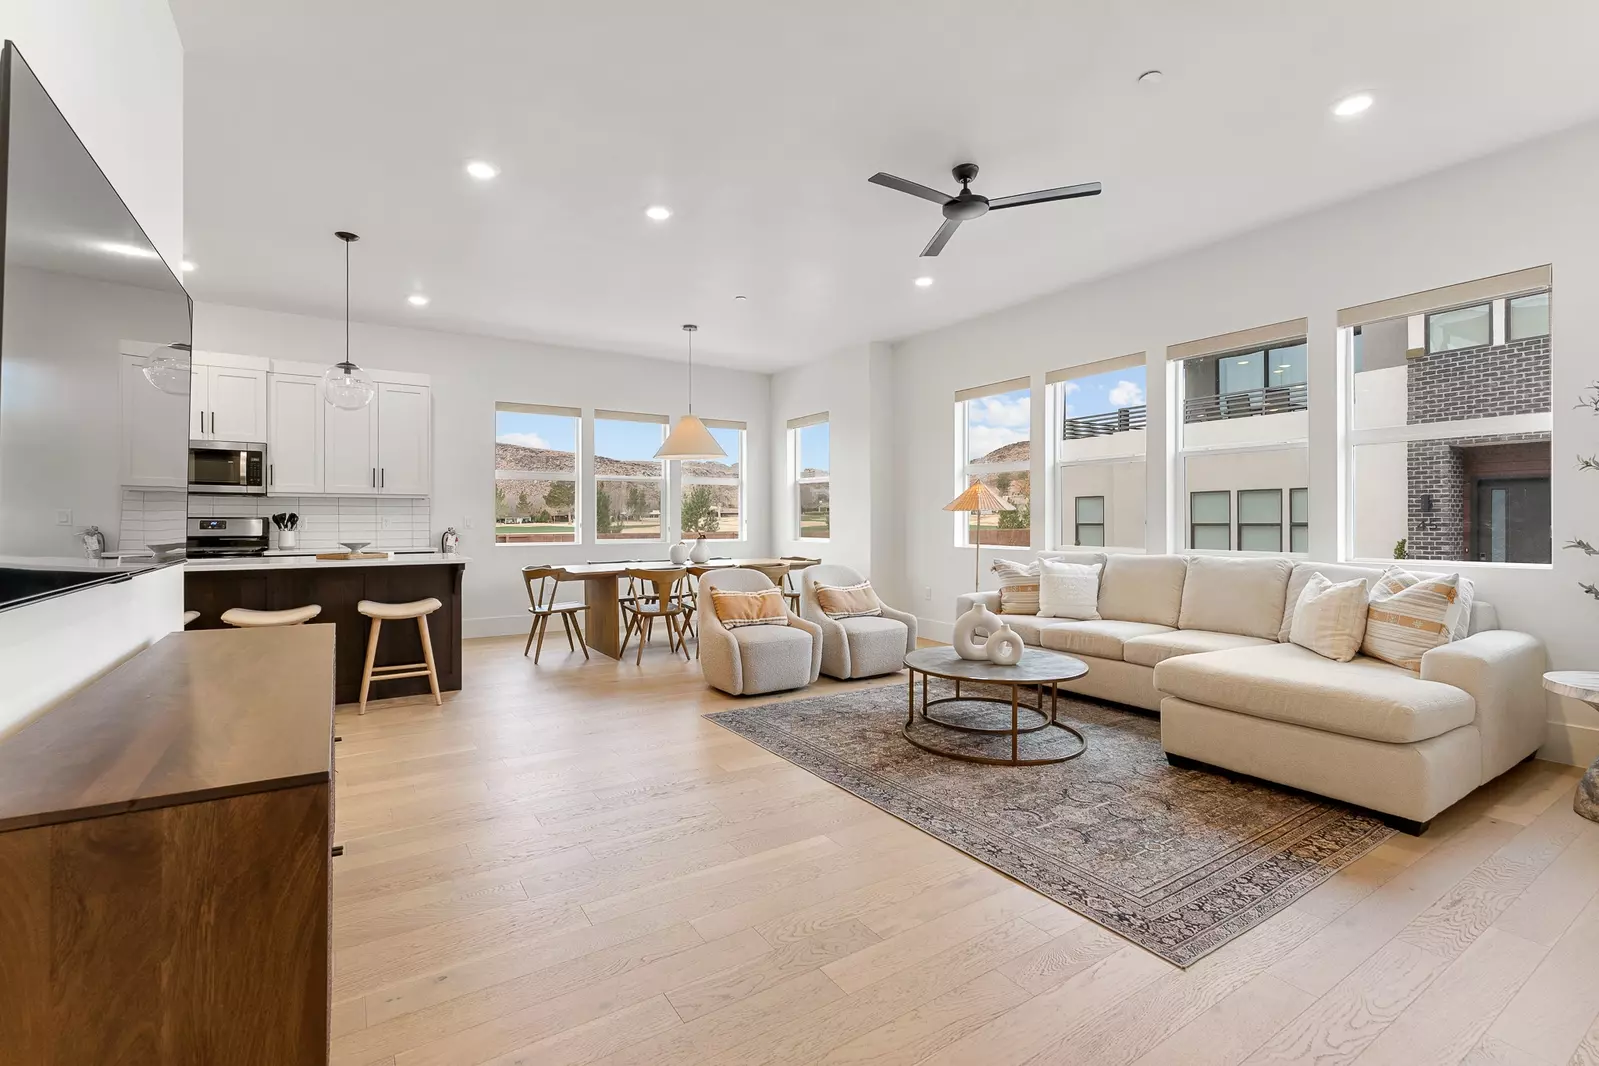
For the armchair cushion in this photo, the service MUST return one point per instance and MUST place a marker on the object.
(736, 609)
(848, 601)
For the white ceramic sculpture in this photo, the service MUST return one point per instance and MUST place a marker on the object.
(679, 553)
(702, 550)
(1004, 646)
(979, 617)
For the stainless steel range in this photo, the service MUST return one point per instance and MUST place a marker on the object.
(215, 537)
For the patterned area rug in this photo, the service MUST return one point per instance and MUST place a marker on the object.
(1177, 861)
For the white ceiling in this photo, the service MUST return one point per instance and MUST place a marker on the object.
(758, 124)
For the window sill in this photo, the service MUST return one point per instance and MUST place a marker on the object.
(1438, 564)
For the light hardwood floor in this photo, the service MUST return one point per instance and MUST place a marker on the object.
(566, 864)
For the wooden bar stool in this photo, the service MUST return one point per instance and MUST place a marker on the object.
(244, 618)
(397, 612)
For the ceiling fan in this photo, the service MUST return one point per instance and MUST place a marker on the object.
(967, 205)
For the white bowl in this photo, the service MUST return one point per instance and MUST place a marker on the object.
(355, 546)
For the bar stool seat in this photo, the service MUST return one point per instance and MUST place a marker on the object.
(244, 618)
(399, 612)
(189, 616)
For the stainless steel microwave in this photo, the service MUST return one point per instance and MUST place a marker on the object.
(227, 466)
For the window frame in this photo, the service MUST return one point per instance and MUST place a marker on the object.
(1510, 316)
(1227, 525)
(1426, 327)
(1294, 527)
(968, 470)
(576, 476)
(796, 472)
(1056, 384)
(662, 479)
(1078, 523)
(685, 480)
(1242, 525)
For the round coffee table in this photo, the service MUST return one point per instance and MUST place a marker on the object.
(1037, 667)
(1580, 685)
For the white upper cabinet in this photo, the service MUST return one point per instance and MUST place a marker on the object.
(155, 437)
(229, 399)
(294, 434)
(350, 449)
(404, 440)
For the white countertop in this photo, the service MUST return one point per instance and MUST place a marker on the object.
(293, 562)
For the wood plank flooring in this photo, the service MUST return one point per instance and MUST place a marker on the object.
(566, 864)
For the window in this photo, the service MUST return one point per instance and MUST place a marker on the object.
(1463, 327)
(1529, 316)
(810, 447)
(1099, 452)
(1090, 521)
(1210, 520)
(1450, 420)
(1299, 520)
(1243, 435)
(1260, 520)
(629, 482)
(535, 474)
(712, 492)
(995, 434)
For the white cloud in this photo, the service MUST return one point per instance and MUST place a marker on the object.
(980, 440)
(998, 411)
(1069, 387)
(1126, 394)
(526, 440)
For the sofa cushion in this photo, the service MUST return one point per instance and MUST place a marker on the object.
(1158, 647)
(1334, 572)
(1029, 627)
(1103, 638)
(1081, 558)
(1330, 619)
(1142, 588)
(1068, 590)
(1286, 683)
(1243, 596)
(1410, 616)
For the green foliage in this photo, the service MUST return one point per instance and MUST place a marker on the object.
(523, 502)
(1020, 518)
(560, 497)
(606, 517)
(543, 517)
(700, 512)
(1400, 551)
(637, 504)
(1002, 482)
(499, 498)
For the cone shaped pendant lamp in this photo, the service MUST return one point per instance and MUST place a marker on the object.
(690, 439)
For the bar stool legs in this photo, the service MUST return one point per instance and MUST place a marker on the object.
(395, 612)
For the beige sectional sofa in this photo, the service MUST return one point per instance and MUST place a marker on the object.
(1204, 641)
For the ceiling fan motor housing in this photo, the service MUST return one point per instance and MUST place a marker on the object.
(966, 205)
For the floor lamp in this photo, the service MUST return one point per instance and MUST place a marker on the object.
(978, 498)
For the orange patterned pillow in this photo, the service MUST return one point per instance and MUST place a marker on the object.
(848, 601)
(763, 608)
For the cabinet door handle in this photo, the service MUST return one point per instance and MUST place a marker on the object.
(201, 430)
(272, 473)
(383, 476)
(374, 477)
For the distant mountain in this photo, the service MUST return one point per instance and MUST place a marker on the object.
(1016, 452)
(551, 460)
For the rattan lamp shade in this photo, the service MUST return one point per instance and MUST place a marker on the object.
(979, 497)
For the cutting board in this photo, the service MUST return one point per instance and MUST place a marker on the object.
(355, 555)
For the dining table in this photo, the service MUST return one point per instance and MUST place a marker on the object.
(602, 591)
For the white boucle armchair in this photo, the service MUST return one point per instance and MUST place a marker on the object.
(856, 647)
(751, 660)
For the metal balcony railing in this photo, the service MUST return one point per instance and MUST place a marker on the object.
(1272, 400)
(1103, 425)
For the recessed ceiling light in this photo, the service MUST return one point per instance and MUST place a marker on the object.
(923, 282)
(741, 297)
(658, 213)
(1351, 106)
(133, 251)
(1150, 77)
(417, 299)
(1243, 362)
(187, 265)
(482, 170)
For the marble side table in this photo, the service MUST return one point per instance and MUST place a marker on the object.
(1580, 685)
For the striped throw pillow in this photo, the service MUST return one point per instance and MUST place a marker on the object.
(848, 601)
(1408, 616)
(1018, 586)
(762, 608)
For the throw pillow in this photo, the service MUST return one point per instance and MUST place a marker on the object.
(1068, 590)
(1409, 616)
(762, 608)
(848, 601)
(1018, 586)
(1330, 619)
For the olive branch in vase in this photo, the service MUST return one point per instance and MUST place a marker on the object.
(1589, 400)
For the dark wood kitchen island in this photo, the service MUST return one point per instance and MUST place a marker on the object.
(276, 583)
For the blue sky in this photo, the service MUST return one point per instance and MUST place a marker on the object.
(536, 431)
(616, 439)
(613, 438)
(814, 447)
(1099, 393)
(995, 421)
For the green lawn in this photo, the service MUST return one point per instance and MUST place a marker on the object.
(815, 524)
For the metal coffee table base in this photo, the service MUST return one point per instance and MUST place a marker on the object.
(1015, 732)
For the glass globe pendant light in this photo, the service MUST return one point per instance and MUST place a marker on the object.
(168, 369)
(345, 385)
(690, 439)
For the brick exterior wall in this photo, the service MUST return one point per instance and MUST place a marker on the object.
(1502, 379)
(1437, 468)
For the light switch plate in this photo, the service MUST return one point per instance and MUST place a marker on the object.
(63, 517)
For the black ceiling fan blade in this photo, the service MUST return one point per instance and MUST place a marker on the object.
(1043, 196)
(889, 181)
(941, 238)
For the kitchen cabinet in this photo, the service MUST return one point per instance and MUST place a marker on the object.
(155, 437)
(294, 434)
(228, 403)
(350, 450)
(404, 439)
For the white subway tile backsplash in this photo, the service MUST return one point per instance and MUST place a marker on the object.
(388, 522)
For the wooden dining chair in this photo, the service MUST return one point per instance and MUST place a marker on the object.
(659, 597)
(776, 573)
(790, 582)
(543, 592)
(691, 599)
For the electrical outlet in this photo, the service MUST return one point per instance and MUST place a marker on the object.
(471, 523)
(63, 517)
(927, 593)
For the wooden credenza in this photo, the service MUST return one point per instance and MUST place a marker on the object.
(164, 860)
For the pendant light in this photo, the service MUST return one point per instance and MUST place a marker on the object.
(168, 369)
(690, 439)
(345, 385)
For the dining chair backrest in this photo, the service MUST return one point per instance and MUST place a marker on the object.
(542, 584)
(775, 572)
(663, 581)
(796, 563)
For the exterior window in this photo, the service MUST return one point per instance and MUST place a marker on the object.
(1260, 520)
(1299, 520)
(1244, 434)
(1529, 316)
(996, 448)
(1090, 521)
(1449, 438)
(629, 482)
(1099, 453)
(810, 447)
(712, 493)
(535, 474)
(1463, 327)
(1210, 520)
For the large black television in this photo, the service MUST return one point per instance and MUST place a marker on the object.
(87, 304)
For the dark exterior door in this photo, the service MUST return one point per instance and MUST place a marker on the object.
(1510, 520)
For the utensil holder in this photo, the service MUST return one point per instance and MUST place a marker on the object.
(288, 538)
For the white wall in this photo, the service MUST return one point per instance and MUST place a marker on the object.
(116, 72)
(469, 375)
(1405, 239)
